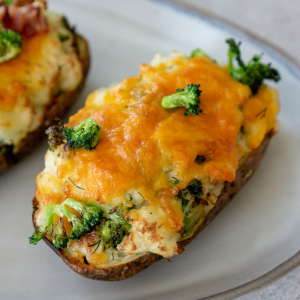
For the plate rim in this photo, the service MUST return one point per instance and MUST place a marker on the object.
(294, 261)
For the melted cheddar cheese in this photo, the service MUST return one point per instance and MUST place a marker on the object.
(45, 67)
(143, 147)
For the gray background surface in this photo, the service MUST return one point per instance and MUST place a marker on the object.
(279, 22)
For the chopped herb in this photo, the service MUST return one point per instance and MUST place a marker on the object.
(129, 198)
(262, 113)
(75, 184)
(97, 243)
(63, 37)
(141, 195)
(175, 181)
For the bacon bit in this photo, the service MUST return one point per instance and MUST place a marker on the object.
(113, 210)
(2, 12)
(204, 202)
(23, 17)
(22, 2)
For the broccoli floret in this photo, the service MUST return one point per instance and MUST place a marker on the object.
(112, 224)
(188, 97)
(91, 214)
(55, 137)
(79, 228)
(65, 23)
(251, 74)
(189, 200)
(10, 44)
(41, 232)
(59, 238)
(199, 53)
(86, 135)
(90, 217)
(115, 232)
(115, 229)
(194, 188)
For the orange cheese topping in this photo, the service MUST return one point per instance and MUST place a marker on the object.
(13, 73)
(260, 115)
(141, 141)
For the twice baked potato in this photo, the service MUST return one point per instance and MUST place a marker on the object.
(43, 66)
(145, 166)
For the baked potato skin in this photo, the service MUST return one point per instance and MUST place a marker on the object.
(58, 107)
(126, 270)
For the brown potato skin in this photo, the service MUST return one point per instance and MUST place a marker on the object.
(56, 109)
(126, 270)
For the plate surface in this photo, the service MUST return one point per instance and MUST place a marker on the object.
(256, 233)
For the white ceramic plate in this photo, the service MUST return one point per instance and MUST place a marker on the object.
(256, 233)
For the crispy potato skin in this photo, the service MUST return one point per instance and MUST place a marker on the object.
(126, 270)
(57, 108)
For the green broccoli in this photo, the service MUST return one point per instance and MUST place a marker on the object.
(114, 230)
(114, 227)
(10, 44)
(90, 217)
(199, 53)
(41, 232)
(55, 137)
(86, 135)
(189, 200)
(251, 74)
(188, 97)
(92, 214)
(59, 238)
(194, 188)
(65, 23)
(79, 227)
